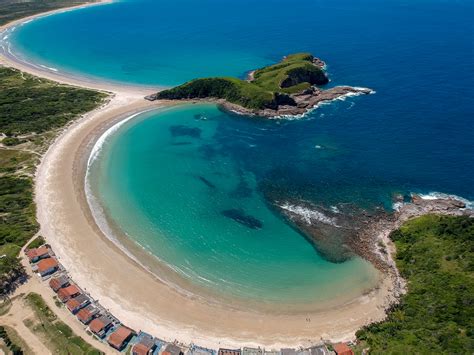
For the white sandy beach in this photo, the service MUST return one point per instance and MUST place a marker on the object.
(131, 293)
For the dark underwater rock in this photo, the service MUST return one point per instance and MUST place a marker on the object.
(242, 218)
(180, 131)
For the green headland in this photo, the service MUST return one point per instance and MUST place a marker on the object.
(286, 88)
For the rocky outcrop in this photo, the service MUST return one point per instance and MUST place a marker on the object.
(300, 103)
(339, 233)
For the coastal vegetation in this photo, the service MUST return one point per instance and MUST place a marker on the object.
(435, 255)
(267, 87)
(11, 10)
(12, 341)
(36, 109)
(57, 336)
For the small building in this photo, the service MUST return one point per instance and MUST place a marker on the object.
(272, 352)
(100, 326)
(342, 349)
(145, 344)
(120, 337)
(199, 350)
(77, 303)
(252, 351)
(223, 351)
(287, 351)
(319, 350)
(59, 282)
(66, 293)
(47, 267)
(87, 314)
(37, 254)
(173, 349)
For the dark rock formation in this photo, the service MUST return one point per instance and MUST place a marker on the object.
(242, 218)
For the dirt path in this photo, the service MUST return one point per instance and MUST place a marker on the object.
(20, 311)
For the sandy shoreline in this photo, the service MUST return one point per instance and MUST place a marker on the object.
(133, 294)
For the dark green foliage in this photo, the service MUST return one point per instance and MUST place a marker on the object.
(28, 105)
(37, 242)
(14, 9)
(11, 141)
(17, 221)
(15, 349)
(233, 90)
(34, 105)
(436, 256)
(269, 89)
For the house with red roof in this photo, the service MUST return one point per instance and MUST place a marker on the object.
(66, 293)
(59, 282)
(75, 304)
(100, 326)
(87, 314)
(37, 254)
(47, 267)
(342, 349)
(145, 344)
(120, 337)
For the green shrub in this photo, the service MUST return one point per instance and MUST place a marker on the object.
(435, 255)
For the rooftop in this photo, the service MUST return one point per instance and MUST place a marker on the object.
(119, 337)
(68, 292)
(173, 349)
(229, 351)
(99, 323)
(58, 282)
(342, 349)
(47, 264)
(37, 252)
(84, 314)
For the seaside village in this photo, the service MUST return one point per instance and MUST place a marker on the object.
(102, 325)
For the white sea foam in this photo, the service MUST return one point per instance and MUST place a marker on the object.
(327, 102)
(49, 68)
(309, 215)
(437, 195)
(434, 196)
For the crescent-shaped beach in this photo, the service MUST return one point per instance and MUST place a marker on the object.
(129, 291)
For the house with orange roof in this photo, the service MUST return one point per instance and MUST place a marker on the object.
(75, 304)
(66, 293)
(342, 349)
(59, 282)
(87, 314)
(120, 337)
(144, 345)
(100, 326)
(47, 267)
(36, 254)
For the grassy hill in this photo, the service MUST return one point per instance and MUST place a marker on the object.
(268, 89)
(436, 256)
(32, 112)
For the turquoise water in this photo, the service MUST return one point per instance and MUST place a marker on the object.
(167, 188)
(169, 192)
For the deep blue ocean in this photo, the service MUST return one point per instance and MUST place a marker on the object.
(415, 134)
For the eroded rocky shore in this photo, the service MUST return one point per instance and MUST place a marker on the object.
(301, 102)
(342, 231)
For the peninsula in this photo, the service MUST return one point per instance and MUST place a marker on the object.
(288, 88)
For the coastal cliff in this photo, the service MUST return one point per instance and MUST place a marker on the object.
(285, 89)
